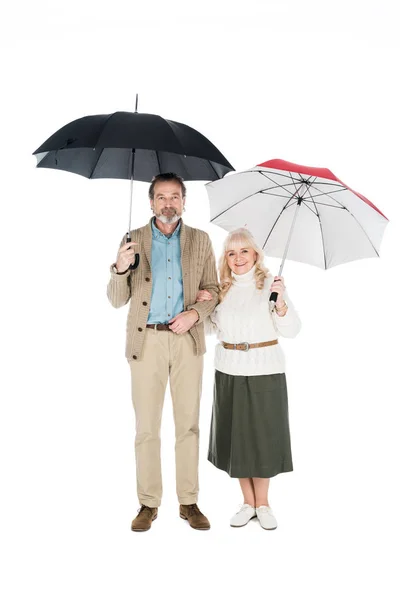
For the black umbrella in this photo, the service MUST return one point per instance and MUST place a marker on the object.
(133, 146)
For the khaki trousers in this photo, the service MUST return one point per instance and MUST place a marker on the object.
(167, 355)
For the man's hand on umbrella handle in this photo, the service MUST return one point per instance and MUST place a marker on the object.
(126, 255)
(278, 286)
(203, 295)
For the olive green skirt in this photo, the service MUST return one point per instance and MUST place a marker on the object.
(249, 434)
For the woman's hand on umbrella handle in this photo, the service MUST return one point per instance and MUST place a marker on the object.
(126, 255)
(203, 295)
(277, 291)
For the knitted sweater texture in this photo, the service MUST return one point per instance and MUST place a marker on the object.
(198, 273)
(244, 316)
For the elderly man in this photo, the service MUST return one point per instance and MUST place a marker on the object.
(165, 339)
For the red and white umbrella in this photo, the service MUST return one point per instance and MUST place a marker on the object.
(301, 213)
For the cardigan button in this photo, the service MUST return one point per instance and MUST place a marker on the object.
(144, 303)
(147, 279)
(140, 329)
(134, 357)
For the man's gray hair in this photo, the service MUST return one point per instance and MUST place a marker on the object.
(166, 177)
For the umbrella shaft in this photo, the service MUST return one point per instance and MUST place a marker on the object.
(131, 193)
(289, 238)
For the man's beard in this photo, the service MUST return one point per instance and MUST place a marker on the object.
(168, 220)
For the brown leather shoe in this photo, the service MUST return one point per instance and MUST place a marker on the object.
(144, 519)
(192, 513)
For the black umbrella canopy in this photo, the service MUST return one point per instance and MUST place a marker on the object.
(127, 145)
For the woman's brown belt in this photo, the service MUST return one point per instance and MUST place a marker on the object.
(245, 346)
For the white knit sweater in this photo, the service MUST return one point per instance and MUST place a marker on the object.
(244, 316)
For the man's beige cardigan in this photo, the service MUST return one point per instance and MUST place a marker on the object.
(198, 273)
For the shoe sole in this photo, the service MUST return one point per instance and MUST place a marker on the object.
(147, 529)
(268, 528)
(198, 528)
(244, 524)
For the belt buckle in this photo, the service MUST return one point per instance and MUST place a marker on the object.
(246, 349)
(155, 326)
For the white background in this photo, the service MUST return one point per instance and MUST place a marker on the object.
(311, 82)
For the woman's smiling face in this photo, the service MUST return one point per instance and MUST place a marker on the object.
(241, 260)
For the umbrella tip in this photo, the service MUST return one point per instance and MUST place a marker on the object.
(137, 100)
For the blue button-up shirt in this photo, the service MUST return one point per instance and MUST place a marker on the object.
(166, 268)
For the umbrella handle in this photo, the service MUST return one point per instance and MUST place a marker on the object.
(273, 297)
(137, 256)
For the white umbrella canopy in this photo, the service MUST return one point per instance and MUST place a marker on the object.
(301, 213)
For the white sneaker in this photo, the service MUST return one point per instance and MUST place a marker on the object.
(266, 517)
(245, 514)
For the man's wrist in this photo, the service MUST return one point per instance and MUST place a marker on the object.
(116, 271)
(194, 311)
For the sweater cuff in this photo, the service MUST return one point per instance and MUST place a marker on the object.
(119, 276)
(201, 310)
(288, 304)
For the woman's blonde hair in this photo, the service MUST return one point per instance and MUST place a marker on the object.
(243, 238)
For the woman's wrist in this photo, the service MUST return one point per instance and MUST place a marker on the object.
(280, 305)
(282, 309)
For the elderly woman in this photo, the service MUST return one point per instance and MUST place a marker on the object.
(250, 437)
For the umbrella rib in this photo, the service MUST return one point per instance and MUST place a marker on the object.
(327, 193)
(331, 183)
(182, 157)
(323, 204)
(338, 185)
(273, 194)
(176, 138)
(279, 184)
(246, 198)
(229, 207)
(358, 223)
(212, 166)
(264, 173)
(291, 176)
(278, 217)
(96, 163)
(364, 232)
(321, 193)
(290, 205)
(309, 208)
(158, 161)
(275, 186)
(103, 127)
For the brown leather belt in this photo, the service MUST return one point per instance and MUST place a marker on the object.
(158, 326)
(245, 346)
